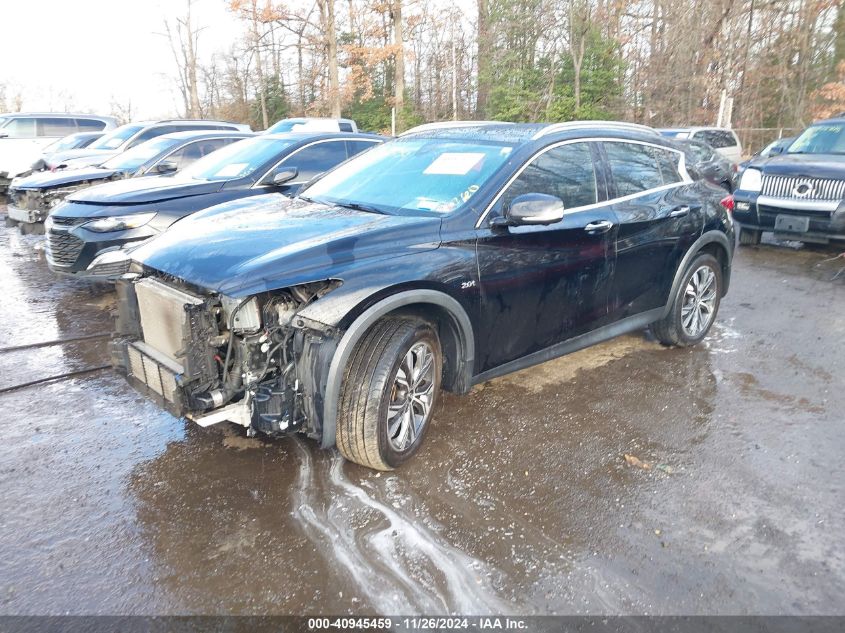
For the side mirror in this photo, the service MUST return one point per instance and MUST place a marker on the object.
(284, 174)
(533, 208)
(777, 149)
(3, 134)
(166, 167)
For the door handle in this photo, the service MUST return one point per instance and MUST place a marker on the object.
(602, 226)
(679, 212)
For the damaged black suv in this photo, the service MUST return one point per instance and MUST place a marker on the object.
(444, 258)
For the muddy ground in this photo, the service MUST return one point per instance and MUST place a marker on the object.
(520, 502)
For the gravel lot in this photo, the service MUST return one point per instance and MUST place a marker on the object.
(521, 501)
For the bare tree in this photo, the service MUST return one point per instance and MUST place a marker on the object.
(183, 37)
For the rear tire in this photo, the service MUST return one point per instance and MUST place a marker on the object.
(749, 237)
(390, 388)
(694, 307)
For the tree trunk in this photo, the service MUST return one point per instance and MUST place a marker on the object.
(484, 59)
(327, 14)
(194, 110)
(398, 64)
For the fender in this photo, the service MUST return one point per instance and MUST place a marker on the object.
(708, 237)
(359, 327)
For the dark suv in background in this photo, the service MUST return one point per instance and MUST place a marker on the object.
(442, 258)
(798, 194)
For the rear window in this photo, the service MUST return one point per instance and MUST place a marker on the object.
(717, 139)
(90, 125)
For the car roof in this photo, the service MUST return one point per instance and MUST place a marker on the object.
(837, 119)
(69, 115)
(316, 136)
(524, 133)
(188, 135)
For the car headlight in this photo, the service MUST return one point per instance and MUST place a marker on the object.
(752, 180)
(119, 222)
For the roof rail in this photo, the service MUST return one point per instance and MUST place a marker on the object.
(575, 125)
(445, 125)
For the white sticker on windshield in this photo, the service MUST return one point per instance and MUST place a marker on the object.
(230, 171)
(454, 163)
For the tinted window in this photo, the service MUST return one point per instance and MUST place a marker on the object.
(56, 127)
(566, 172)
(20, 128)
(700, 152)
(345, 127)
(634, 168)
(355, 147)
(315, 159)
(90, 125)
(717, 138)
(667, 162)
(196, 150)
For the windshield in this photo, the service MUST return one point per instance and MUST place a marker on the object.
(68, 142)
(116, 138)
(432, 175)
(285, 125)
(825, 138)
(237, 160)
(132, 159)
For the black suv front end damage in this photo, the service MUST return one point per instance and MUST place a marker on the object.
(211, 358)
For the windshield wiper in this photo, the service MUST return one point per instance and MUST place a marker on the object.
(355, 206)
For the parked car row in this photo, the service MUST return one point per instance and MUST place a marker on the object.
(330, 283)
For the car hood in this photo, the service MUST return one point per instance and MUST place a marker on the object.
(145, 190)
(807, 165)
(94, 155)
(277, 242)
(49, 180)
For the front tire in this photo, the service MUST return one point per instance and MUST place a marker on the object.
(695, 305)
(390, 388)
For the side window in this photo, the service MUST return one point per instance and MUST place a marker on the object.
(194, 151)
(355, 147)
(56, 127)
(345, 127)
(316, 159)
(566, 171)
(90, 125)
(668, 162)
(20, 127)
(633, 167)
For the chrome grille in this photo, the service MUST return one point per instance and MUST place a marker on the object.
(63, 249)
(60, 221)
(816, 188)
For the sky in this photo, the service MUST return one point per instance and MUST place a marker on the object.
(81, 55)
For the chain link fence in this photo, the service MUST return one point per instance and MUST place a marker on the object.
(754, 139)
